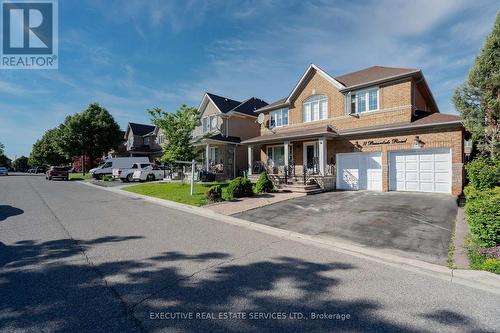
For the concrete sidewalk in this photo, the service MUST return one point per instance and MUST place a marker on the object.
(243, 204)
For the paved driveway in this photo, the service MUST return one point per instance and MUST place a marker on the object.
(416, 225)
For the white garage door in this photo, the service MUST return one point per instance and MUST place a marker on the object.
(420, 170)
(359, 171)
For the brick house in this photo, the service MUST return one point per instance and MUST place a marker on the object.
(378, 128)
(224, 123)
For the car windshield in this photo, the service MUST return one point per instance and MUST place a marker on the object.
(145, 165)
(59, 168)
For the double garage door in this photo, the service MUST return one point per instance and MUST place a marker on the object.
(409, 170)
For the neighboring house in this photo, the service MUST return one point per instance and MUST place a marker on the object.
(223, 124)
(378, 129)
(143, 140)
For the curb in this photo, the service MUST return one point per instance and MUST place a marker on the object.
(476, 279)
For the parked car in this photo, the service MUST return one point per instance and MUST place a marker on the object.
(106, 168)
(126, 174)
(39, 169)
(149, 173)
(57, 172)
(4, 171)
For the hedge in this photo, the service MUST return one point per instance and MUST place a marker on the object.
(483, 173)
(483, 215)
(239, 187)
(264, 184)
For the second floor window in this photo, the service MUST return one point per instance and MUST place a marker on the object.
(363, 101)
(315, 108)
(161, 139)
(278, 118)
(205, 124)
(146, 140)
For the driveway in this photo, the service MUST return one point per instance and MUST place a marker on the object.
(414, 225)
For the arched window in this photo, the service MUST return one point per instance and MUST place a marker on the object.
(315, 108)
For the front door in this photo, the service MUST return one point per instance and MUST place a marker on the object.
(310, 155)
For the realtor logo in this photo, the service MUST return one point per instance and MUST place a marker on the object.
(29, 34)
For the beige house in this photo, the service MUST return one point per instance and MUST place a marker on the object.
(143, 140)
(223, 125)
(378, 128)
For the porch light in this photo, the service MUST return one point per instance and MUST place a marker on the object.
(357, 146)
(417, 143)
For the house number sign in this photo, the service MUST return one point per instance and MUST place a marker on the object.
(384, 142)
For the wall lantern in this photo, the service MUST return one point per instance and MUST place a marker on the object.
(417, 143)
(357, 146)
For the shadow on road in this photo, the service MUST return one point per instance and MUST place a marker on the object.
(7, 211)
(49, 285)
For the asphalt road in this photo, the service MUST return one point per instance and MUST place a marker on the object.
(80, 259)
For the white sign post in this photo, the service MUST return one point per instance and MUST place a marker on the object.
(193, 168)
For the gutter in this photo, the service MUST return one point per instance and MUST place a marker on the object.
(454, 122)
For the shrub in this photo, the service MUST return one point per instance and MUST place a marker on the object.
(491, 265)
(483, 215)
(239, 187)
(483, 173)
(214, 193)
(264, 184)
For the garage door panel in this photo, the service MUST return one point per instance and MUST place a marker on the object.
(420, 170)
(359, 171)
(426, 176)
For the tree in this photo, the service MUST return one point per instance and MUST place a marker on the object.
(4, 160)
(21, 164)
(478, 98)
(177, 128)
(92, 133)
(48, 149)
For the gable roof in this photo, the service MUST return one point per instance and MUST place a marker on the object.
(307, 74)
(366, 76)
(224, 104)
(373, 74)
(249, 106)
(140, 129)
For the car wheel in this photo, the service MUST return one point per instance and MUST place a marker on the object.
(129, 177)
(50, 178)
(150, 178)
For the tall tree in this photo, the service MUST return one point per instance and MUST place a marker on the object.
(92, 133)
(176, 128)
(20, 164)
(47, 150)
(4, 160)
(478, 98)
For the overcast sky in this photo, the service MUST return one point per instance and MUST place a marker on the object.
(133, 55)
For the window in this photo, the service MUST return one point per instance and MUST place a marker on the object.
(212, 127)
(278, 118)
(205, 124)
(214, 155)
(363, 101)
(161, 139)
(315, 108)
(146, 140)
(276, 155)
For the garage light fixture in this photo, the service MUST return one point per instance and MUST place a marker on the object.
(417, 143)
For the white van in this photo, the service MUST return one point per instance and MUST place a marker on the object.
(107, 166)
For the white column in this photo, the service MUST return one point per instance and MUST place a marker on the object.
(287, 147)
(322, 155)
(207, 154)
(250, 159)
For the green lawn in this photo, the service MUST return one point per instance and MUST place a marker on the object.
(79, 176)
(177, 192)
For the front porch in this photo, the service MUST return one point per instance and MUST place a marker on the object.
(295, 165)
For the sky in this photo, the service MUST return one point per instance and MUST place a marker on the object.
(133, 55)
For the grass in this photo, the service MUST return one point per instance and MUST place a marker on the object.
(451, 247)
(178, 192)
(79, 176)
